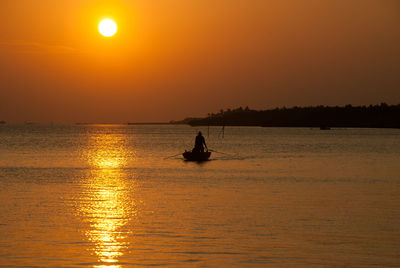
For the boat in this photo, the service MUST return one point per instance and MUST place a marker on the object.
(196, 156)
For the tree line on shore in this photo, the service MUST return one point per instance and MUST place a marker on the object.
(372, 116)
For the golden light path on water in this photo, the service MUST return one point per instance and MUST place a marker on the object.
(106, 206)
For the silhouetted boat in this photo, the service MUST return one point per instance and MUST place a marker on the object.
(196, 156)
(324, 128)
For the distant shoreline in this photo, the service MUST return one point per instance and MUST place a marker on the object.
(130, 123)
(323, 117)
(201, 125)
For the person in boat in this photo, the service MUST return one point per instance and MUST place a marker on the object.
(198, 144)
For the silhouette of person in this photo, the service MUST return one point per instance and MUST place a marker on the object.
(198, 144)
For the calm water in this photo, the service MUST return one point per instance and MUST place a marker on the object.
(108, 196)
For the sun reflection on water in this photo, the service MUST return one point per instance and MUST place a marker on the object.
(106, 206)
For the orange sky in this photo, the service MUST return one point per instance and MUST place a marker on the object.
(177, 58)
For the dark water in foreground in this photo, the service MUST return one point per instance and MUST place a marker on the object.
(107, 196)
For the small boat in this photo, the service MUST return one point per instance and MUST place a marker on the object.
(196, 156)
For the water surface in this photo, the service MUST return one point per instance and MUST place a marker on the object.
(115, 196)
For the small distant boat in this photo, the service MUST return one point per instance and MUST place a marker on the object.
(196, 156)
(324, 128)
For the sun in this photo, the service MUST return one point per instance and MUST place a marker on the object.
(107, 27)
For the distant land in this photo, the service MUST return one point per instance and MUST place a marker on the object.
(324, 117)
(129, 123)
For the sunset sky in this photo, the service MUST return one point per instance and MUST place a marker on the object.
(178, 58)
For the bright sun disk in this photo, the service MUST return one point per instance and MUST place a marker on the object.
(107, 27)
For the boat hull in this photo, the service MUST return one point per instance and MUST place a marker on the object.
(196, 156)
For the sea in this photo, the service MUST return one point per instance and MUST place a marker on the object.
(122, 196)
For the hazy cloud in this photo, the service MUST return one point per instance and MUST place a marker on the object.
(29, 47)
